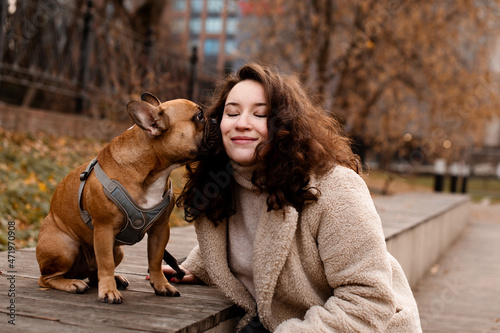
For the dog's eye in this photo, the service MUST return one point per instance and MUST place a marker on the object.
(200, 117)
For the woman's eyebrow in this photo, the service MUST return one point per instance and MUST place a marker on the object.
(237, 104)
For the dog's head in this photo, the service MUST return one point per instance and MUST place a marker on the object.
(178, 128)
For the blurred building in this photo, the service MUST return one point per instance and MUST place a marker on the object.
(492, 131)
(211, 27)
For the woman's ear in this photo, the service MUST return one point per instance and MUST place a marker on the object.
(152, 119)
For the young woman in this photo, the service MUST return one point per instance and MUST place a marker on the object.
(286, 227)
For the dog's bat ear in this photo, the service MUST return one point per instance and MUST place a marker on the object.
(153, 120)
(150, 98)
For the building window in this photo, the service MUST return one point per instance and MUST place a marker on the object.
(213, 25)
(215, 6)
(195, 26)
(231, 46)
(231, 25)
(211, 47)
(233, 6)
(196, 6)
(180, 5)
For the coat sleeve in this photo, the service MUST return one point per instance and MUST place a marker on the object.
(356, 263)
(194, 264)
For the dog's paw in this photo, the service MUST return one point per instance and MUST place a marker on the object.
(166, 290)
(80, 287)
(75, 286)
(111, 297)
(121, 282)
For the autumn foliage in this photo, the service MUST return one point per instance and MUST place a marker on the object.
(403, 76)
(31, 166)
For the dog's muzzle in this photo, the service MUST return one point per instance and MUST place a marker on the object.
(212, 138)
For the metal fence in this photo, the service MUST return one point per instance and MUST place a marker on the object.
(81, 62)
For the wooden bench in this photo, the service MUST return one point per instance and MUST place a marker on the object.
(418, 229)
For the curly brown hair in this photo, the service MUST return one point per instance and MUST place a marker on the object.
(303, 140)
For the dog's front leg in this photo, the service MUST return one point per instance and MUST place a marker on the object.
(158, 237)
(104, 239)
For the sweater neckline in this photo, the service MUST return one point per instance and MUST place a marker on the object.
(243, 175)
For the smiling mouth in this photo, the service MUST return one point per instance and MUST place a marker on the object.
(243, 139)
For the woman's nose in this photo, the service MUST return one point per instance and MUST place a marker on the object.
(243, 122)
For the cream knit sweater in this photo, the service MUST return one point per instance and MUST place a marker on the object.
(243, 225)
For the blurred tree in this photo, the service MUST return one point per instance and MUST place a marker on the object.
(88, 56)
(399, 74)
(142, 16)
(143, 20)
(139, 22)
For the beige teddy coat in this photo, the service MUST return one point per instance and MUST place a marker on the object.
(325, 269)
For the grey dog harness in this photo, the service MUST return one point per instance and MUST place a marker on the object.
(137, 219)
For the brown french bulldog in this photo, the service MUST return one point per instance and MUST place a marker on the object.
(88, 220)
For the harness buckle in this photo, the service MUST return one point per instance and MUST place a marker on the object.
(84, 175)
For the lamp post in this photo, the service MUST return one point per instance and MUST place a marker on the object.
(193, 60)
(439, 174)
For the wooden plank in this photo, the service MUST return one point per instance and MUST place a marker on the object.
(28, 324)
(199, 308)
(155, 313)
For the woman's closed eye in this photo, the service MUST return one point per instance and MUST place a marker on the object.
(231, 111)
(260, 110)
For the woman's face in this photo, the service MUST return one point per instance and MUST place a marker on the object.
(244, 122)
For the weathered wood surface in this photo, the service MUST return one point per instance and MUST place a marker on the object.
(199, 307)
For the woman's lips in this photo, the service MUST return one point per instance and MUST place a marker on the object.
(243, 139)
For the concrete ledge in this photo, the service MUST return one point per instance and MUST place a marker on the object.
(420, 227)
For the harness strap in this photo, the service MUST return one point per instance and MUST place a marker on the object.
(172, 262)
(83, 179)
(137, 219)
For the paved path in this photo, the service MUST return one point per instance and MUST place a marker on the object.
(462, 291)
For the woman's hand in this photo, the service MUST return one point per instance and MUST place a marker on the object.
(188, 278)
